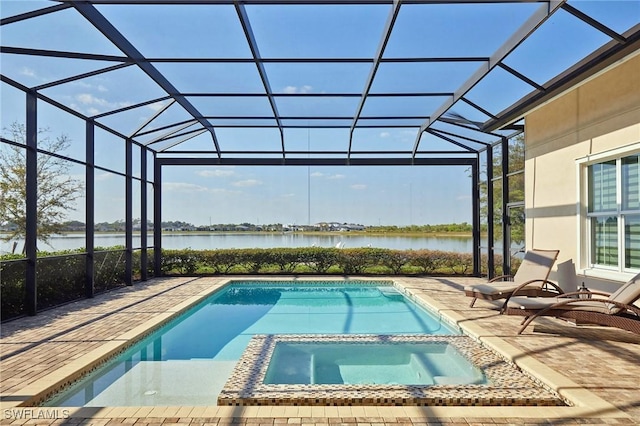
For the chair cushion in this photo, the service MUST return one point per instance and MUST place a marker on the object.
(538, 303)
(629, 292)
(536, 265)
(493, 288)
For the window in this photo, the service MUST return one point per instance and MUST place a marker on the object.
(631, 210)
(613, 213)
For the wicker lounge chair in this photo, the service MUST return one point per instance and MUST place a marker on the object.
(530, 279)
(591, 307)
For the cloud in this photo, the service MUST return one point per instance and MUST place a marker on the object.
(183, 187)
(223, 191)
(216, 173)
(385, 134)
(89, 86)
(26, 71)
(94, 104)
(156, 106)
(463, 197)
(247, 183)
(89, 99)
(101, 177)
(328, 177)
(289, 195)
(358, 187)
(296, 89)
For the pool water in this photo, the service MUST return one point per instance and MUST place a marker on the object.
(374, 363)
(188, 361)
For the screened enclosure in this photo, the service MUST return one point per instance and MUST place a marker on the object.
(100, 99)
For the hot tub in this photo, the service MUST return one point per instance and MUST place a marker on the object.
(318, 369)
(370, 363)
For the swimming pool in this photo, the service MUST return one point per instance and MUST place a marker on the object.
(188, 361)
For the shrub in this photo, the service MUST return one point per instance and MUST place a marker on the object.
(457, 263)
(356, 260)
(109, 270)
(286, 259)
(427, 261)
(12, 286)
(318, 259)
(254, 259)
(395, 259)
(220, 260)
(182, 261)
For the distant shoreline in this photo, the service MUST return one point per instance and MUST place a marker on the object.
(321, 233)
(324, 233)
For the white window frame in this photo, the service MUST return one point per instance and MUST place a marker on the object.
(584, 242)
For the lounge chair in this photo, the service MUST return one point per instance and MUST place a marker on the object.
(591, 307)
(530, 279)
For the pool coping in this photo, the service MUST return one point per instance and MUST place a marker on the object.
(584, 402)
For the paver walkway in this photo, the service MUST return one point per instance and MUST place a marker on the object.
(32, 350)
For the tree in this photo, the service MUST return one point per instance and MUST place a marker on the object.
(56, 190)
(516, 157)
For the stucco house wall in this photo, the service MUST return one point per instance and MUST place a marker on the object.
(598, 117)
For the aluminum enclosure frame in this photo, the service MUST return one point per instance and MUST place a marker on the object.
(469, 140)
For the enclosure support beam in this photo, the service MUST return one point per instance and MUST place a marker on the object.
(542, 14)
(91, 14)
(475, 201)
(491, 269)
(31, 204)
(128, 268)
(157, 217)
(388, 161)
(89, 283)
(253, 45)
(386, 34)
(506, 238)
(143, 215)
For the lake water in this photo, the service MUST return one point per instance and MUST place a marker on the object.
(202, 241)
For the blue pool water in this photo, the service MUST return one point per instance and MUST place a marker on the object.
(371, 363)
(188, 361)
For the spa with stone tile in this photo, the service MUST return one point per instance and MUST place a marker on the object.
(506, 384)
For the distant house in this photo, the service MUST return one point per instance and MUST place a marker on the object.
(334, 226)
(341, 227)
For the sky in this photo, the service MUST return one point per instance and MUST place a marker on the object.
(300, 195)
(290, 195)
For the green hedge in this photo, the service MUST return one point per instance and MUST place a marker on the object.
(61, 277)
(318, 260)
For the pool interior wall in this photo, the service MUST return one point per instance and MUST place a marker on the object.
(188, 367)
